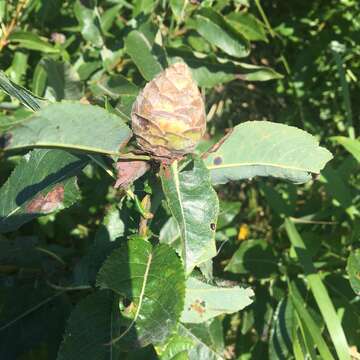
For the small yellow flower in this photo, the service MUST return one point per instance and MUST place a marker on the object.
(243, 233)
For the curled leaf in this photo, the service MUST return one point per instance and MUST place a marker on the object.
(129, 171)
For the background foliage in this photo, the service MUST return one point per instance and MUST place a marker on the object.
(295, 246)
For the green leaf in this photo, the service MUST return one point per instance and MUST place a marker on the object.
(336, 187)
(20, 251)
(253, 257)
(195, 207)
(176, 346)
(114, 86)
(148, 277)
(215, 29)
(209, 70)
(90, 328)
(143, 6)
(170, 234)
(204, 301)
(63, 82)
(178, 8)
(31, 41)
(72, 126)
(262, 148)
(320, 293)
(353, 269)
(351, 145)
(28, 99)
(257, 73)
(43, 182)
(141, 52)
(89, 22)
(207, 340)
(22, 307)
(18, 68)
(284, 326)
(248, 25)
(310, 326)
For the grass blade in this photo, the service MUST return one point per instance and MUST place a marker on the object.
(320, 293)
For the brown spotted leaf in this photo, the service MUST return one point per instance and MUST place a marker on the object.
(204, 301)
(129, 171)
(43, 182)
(264, 148)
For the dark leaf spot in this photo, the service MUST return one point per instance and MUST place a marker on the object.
(212, 226)
(218, 160)
(5, 140)
(199, 307)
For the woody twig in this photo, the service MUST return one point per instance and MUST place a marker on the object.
(8, 29)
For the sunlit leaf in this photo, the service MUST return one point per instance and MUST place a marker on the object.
(215, 29)
(248, 25)
(31, 41)
(141, 52)
(353, 269)
(89, 22)
(204, 301)
(72, 126)
(351, 145)
(148, 277)
(262, 148)
(194, 205)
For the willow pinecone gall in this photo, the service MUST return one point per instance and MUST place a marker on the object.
(168, 116)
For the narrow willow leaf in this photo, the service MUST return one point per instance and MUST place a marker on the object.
(90, 328)
(248, 25)
(204, 301)
(320, 293)
(89, 22)
(148, 277)
(195, 206)
(209, 70)
(257, 72)
(215, 29)
(28, 99)
(114, 86)
(262, 148)
(311, 328)
(141, 52)
(31, 41)
(353, 269)
(72, 126)
(43, 182)
(351, 145)
(178, 8)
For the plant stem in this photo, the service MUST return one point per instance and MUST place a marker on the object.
(7, 30)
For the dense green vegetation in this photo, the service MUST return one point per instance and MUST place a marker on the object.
(93, 271)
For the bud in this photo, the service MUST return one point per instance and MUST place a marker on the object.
(168, 116)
